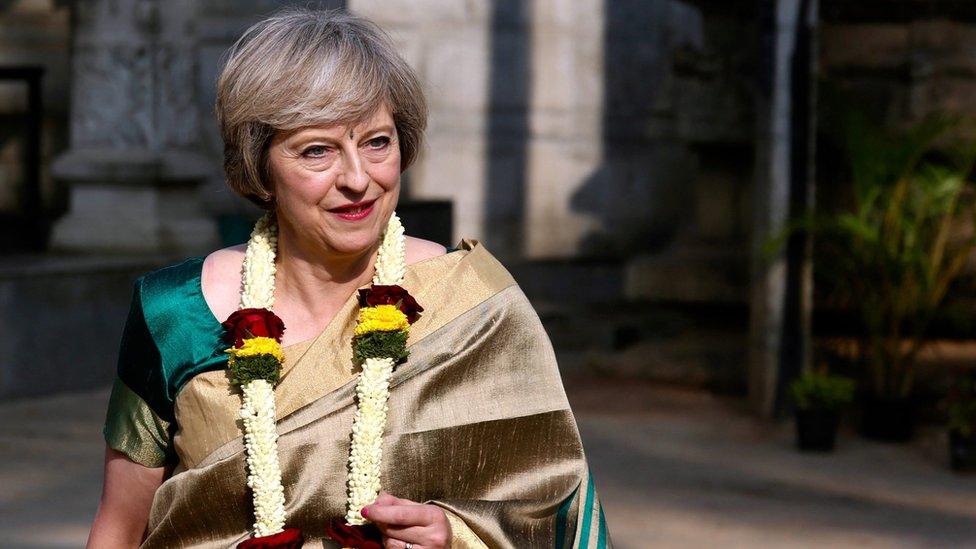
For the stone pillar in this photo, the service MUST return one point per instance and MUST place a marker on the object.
(564, 123)
(781, 286)
(132, 167)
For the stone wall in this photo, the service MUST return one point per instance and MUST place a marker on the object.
(63, 321)
(558, 128)
(566, 128)
(621, 131)
(906, 65)
(33, 33)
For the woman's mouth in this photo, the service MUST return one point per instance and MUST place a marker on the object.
(354, 212)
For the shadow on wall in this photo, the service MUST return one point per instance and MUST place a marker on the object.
(508, 125)
(641, 192)
(675, 102)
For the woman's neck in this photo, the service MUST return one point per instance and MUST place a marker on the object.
(316, 280)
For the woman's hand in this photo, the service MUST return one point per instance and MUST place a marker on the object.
(403, 521)
(127, 495)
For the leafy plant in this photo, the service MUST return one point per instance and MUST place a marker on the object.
(961, 403)
(821, 391)
(892, 256)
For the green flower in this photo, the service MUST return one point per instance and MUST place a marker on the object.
(381, 345)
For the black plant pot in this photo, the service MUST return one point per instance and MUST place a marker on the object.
(816, 429)
(888, 419)
(962, 451)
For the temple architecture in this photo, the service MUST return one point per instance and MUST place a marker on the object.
(626, 158)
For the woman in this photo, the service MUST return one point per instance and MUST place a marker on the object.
(238, 432)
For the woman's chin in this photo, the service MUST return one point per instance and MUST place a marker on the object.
(346, 238)
(353, 244)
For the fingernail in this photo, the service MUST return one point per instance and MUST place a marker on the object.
(364, 512)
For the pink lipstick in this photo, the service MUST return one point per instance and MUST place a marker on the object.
(354, 212)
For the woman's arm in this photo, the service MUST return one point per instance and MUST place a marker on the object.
(127, 495)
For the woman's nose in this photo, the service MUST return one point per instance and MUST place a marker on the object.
(354, 176)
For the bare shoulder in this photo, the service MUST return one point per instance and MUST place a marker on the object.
(223, 262)
(220, 279)
(419, 249)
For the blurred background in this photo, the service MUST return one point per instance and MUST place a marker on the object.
(747, 226)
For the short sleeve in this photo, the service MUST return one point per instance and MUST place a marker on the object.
(132, 426)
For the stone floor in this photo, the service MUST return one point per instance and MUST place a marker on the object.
(675, 468)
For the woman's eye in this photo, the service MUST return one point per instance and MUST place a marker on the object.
(378, 143)
(315, 151)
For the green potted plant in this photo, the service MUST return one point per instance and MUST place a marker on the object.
(819, 398)
(961, 411)
(892, 253)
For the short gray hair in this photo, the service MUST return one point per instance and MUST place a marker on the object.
(303, 67)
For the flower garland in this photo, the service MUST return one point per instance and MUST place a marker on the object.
(379, 343)
(255, 365)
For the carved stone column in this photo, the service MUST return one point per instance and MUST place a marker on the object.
(132, 167)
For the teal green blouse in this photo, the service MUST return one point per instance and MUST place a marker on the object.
(170, 336)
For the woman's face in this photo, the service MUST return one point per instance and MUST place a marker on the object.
(335, 187)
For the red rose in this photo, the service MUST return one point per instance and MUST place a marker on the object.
(367, 536)
(247, 323)
(290, 538)
(391, 295)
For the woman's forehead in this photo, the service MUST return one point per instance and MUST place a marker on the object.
(379, 120)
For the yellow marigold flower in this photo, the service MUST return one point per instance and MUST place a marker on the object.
(381, 318)
(255, 346)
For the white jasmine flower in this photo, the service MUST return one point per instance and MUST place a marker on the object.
(258, 405)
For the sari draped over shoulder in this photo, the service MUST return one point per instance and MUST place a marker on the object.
(478, 423)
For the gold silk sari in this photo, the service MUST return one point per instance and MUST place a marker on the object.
(478, 424)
